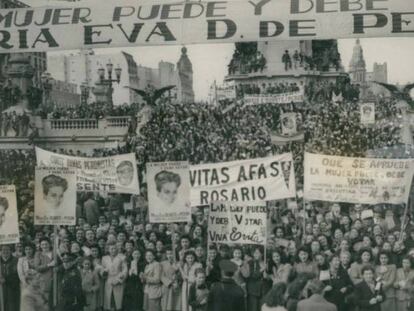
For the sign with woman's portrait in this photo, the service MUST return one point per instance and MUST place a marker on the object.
(9, 228)
(168, 192)
(55, 196)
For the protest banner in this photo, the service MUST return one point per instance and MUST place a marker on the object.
(285, 98)
(110, 174)
(9, 228)
(122, 23)
(261, 179)
(367, 112)
(236, 223)
(168, 192)
(357, 180)
(288, 122)
(55, 196)
(227, 91)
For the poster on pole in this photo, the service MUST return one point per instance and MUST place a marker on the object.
(367, 112)
(55, 196)
(357, 180)
(168, 192)
(237, 223)
(260, 179)
(9, 227)
(288, 122)
(109, 174)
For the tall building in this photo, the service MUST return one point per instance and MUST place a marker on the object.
(357, 66)
(359, 75)
(83, 67)
(185, 81)
(37, 60)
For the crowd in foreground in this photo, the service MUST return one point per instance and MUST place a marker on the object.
(336, 255)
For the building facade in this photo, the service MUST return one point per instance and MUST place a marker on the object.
(83, 67)
(37, 60)
(359, 74)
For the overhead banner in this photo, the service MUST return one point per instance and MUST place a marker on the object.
(367, 112)
(9, 228)
(110, 174)
(168, 192)
(235, 223)
(55, 196)
(285, 98)
(261, 179)
(357, 180)
(123, 23)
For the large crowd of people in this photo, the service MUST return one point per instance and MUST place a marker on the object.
(327, 255)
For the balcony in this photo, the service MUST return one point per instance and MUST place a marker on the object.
(78, 128)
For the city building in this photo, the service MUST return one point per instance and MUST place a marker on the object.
(359, 75)
(37, 60)
(83, 68)
(263, 65)
(185, 78)
(64, 94)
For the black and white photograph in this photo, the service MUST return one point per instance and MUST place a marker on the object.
(215, 155)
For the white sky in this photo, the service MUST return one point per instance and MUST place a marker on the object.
(210, 61)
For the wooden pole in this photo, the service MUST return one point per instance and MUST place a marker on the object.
(55, 259)
(403, 224)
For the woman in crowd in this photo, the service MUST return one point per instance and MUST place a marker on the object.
(198, 294)
(368, 293)
(275, 298)
(364, 259)
(404, 284)
(304, 264)
(25, 264)
(188, 269)
(152, 280)
(278, 270)
(33, 298)
(386, 273)
(338, 284)
(134, 289)
(114, 272)
(43, 264)
(90, 284)
(255, 284)
(242, 272)
(171, 283)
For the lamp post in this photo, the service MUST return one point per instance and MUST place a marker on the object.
(109, 80)
(84, 87)
(47, 86)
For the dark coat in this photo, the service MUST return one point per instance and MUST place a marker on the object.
(11, 286)
(363, 295)
(226, 296)
(342, 280)
(70, 296)
(255, 282)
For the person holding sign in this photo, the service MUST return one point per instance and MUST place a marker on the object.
(255, 284)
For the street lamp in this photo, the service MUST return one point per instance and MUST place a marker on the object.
(47, 86)
(109, 80)
(84, 87)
